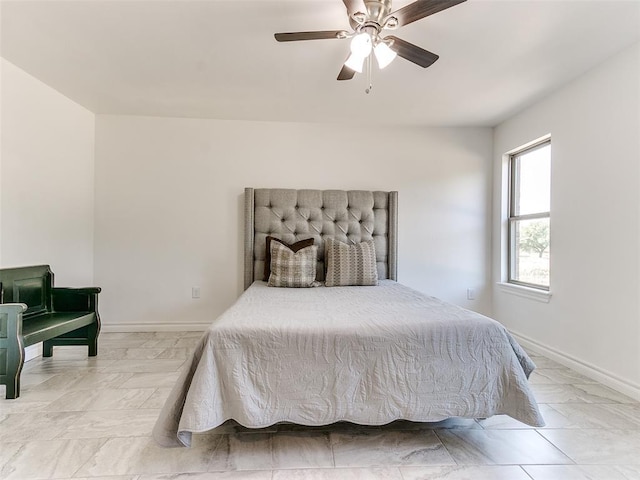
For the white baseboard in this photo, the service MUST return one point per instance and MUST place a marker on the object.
(153, 327)
(596, 373)
(32, 351)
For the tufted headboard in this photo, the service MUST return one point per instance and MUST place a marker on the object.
(350, 216)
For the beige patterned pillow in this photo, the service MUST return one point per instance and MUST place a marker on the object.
(293, 269)
(294, 246)
(350, 264)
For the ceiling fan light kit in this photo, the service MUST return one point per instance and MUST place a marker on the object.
(368, 19)
(384, 54)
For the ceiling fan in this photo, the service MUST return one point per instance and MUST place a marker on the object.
(368, 19)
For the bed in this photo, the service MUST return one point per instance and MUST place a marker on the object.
(363, 354)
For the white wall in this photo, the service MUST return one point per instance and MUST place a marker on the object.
(169, 198)
(46, 179)
(592, 321)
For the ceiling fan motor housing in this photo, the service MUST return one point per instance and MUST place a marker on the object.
(377, 10)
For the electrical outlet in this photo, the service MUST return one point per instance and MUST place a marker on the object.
(195, 292)
(471, 294)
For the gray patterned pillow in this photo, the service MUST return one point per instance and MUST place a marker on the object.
(293, 269)
(294, 246)
(350, 264)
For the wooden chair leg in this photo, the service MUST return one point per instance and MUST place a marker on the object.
(47, 348)
(13, 387)
(11, 341)
(92, 337)
(14, 363)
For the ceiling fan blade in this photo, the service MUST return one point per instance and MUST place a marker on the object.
(346, 73)
(411, 52)
(354, 6)
(421, 9)
(320, 35)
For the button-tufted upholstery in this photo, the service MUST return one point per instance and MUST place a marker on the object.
(349, 216)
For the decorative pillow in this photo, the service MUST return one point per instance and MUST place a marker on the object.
(350, 264)
(293, 269)
(295, 247)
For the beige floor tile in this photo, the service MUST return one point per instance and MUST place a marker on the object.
(288, 450)
(630, 411)
(112, 423)
(29, 395)
(53, 365)
(32, 427)
(21, 406)
(599, 447)
(88, 400)
(33, 379)
(193, 334)
(9, 453)
(464, 472)
(188, 342)
(138, 455)
(581, 393)
(83, 381)
(144, 366)
(44, 459)
(133, 353)
(61, 381)
(248, 452)
(151, 380)
(574, 472)
(544, 363)
(630, 472)
(110, 477)
(175, 353)
(106, 336)
(590, 415)
(558, 375)
(301, 450)
(339, 474)
(244, 475)
(373, 449)
(157, 398)
(502, 447)
(609, 395)
(122, 343)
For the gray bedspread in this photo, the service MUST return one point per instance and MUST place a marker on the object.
(367, 355)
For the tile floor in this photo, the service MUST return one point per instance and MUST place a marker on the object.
(92, 418)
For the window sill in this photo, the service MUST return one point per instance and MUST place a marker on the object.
(525, 292)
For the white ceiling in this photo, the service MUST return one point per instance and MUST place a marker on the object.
(218, 59)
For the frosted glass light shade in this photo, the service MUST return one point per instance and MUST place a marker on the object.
(355, 62)
(361, 45)
(384, 54)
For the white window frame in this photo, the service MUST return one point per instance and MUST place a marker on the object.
(512, 218)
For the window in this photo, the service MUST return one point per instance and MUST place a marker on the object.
(529, 215)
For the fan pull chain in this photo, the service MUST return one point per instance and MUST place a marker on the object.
(369, 82)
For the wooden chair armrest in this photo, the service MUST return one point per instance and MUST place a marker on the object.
(13, 308)
(13, 314)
